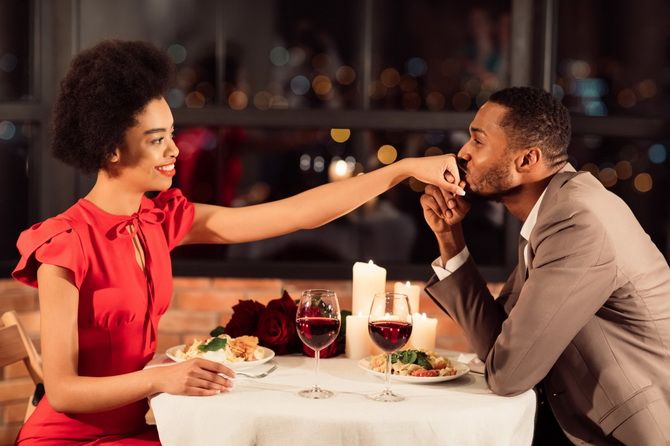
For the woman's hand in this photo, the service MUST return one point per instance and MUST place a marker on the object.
(440, 171)
(199, 377)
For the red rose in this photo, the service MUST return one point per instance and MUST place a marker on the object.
(245, 319)
(286, 305)
(327, 352)
(276, 330)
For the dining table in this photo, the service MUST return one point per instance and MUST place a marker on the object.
(269, 410)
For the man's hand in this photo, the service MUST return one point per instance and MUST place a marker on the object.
(441, 209)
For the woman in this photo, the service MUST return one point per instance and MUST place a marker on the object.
(103, 266)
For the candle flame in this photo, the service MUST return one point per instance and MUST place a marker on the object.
(407, 284)
(371, 262)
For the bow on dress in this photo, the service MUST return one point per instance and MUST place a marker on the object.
(150, 216)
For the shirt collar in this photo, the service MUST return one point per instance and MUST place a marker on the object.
(529, 224)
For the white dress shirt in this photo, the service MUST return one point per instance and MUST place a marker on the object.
(444, 271)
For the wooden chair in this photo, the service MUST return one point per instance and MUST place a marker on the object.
(16, 346)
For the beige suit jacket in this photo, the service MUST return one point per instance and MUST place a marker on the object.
(590, 322)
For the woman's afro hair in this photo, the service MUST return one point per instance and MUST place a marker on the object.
(104, 90)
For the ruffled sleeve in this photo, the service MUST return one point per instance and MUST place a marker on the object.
(54, 242)
(179, 215)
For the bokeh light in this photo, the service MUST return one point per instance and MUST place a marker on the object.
(296, 56)
(195, 99)
(319, 164)
(299, 85)
(408, 83)
(321, 85)
(340, 135)
(416, 67)
(175, 98)
(345, 75)
(279, 56)
(643, 182)
(624, 169)
(7, 130)
(657, 153)
(435, 101)
(177, 53)
(387, 154)
(377, 90)
(263, 100)
(390, 77)
(608, 177)
(647, 89)
(238, 100)
(305, 162)
(626, 98)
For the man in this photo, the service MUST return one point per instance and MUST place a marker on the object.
(585, 316)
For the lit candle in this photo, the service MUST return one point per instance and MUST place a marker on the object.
(424, 330)
(369, 279)
(412, 292)
(358, 343)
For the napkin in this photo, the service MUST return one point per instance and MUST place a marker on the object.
(472, 361)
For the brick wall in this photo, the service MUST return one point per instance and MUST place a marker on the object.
(198, 305)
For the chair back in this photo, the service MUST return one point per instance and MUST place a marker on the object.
(16, 346)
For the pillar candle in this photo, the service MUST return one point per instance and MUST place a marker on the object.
(412, 292)
(424, 330)
(369, 279)
(358, 343)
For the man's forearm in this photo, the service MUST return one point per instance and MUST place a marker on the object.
(450, 243)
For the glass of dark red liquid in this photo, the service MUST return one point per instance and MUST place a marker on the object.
(318, 322)
(390, 326)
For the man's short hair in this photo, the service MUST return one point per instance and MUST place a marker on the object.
(535, 119)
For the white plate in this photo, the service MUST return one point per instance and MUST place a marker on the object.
(461, 369)
(267, 355)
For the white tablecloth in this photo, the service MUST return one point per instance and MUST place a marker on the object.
(269, 411)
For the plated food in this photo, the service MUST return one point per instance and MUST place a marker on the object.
(239, 352)
(415, 366)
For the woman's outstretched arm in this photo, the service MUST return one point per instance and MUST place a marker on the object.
(314, 207)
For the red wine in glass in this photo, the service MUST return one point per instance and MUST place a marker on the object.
(390, 335)
(317, 332)
(317, 321)
(390, 326)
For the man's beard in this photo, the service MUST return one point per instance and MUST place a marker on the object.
(496, 183)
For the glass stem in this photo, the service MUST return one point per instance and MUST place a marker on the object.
(388, 374)
(316, 368)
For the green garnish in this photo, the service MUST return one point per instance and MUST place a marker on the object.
(213, 345)
(412, 357)
(217, 331)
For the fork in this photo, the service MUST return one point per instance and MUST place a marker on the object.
(259, 375)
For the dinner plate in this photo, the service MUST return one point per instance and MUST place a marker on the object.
(461, 369)
(267, 355)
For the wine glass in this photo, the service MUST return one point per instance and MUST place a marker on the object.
(318, 322)
(390, 326)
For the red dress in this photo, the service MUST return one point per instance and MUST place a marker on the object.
(119, 305)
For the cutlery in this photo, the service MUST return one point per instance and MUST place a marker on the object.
(259, 375)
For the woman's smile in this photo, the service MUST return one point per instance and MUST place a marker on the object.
(167, 169)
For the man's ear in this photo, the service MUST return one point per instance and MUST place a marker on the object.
(528, 159)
